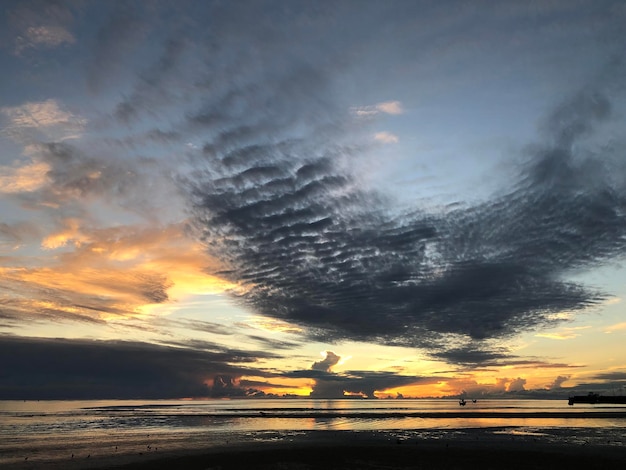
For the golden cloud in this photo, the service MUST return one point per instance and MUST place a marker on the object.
(108, 273)
(567, 333)
(23, 179)
(616, 327)
(273, 325)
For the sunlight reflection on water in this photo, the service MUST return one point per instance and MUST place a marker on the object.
(54, 430)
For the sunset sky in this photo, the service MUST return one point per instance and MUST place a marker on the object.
(325, 198)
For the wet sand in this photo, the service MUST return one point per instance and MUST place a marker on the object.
(349, 450)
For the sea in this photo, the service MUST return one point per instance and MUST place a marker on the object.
(45, 431)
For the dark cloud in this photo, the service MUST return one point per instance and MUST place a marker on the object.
(328, 384)
(558, 382)
(272, 343)
(329, 361)
(315, 249)
(613, 376)
(222, 353)
(357, 382)
(476, 354)
(196, 325)
(77, 369)
(256, 384)
(275, 185)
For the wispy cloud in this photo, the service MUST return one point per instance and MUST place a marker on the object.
(47, 118)
(387, 107)
(615, 327)
(271, 177)
(386, 137)
(566, 333)
(39, 25)
(108, 274)
(558, 382)
(23, 179)
(43, 37)
(329, 384)
(117, 369)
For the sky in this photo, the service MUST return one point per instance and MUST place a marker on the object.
(325, 199)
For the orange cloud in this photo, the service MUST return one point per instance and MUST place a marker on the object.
(273, 325)
(567, 333)
(23, 179)
(70, 234)
(108, 273)
(616, 327)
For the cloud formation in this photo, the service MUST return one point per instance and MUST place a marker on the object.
(386, 137)
(109, 274)
(387, 107)
(81, 369)
(316, 250)
(254, 123)
(327, 363)
(45, 119)
(329, 384)
(40, 25)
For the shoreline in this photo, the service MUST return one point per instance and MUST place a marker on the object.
(436, 449)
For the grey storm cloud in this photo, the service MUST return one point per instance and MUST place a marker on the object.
(314, 249)
(273, 184)
(75, 369)
(327, 363)
(617, 376)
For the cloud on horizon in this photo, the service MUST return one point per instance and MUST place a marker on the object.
(84, 369)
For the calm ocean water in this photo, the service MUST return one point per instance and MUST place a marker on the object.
(55, 429)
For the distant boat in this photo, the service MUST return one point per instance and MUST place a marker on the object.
(594, 398)
(462, 402)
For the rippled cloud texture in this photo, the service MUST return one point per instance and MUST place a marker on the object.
(237, 185)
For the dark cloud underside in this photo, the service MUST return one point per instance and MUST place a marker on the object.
(79, 369)
(315, 249)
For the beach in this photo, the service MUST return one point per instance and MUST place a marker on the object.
(439, 449)
(309, 434)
